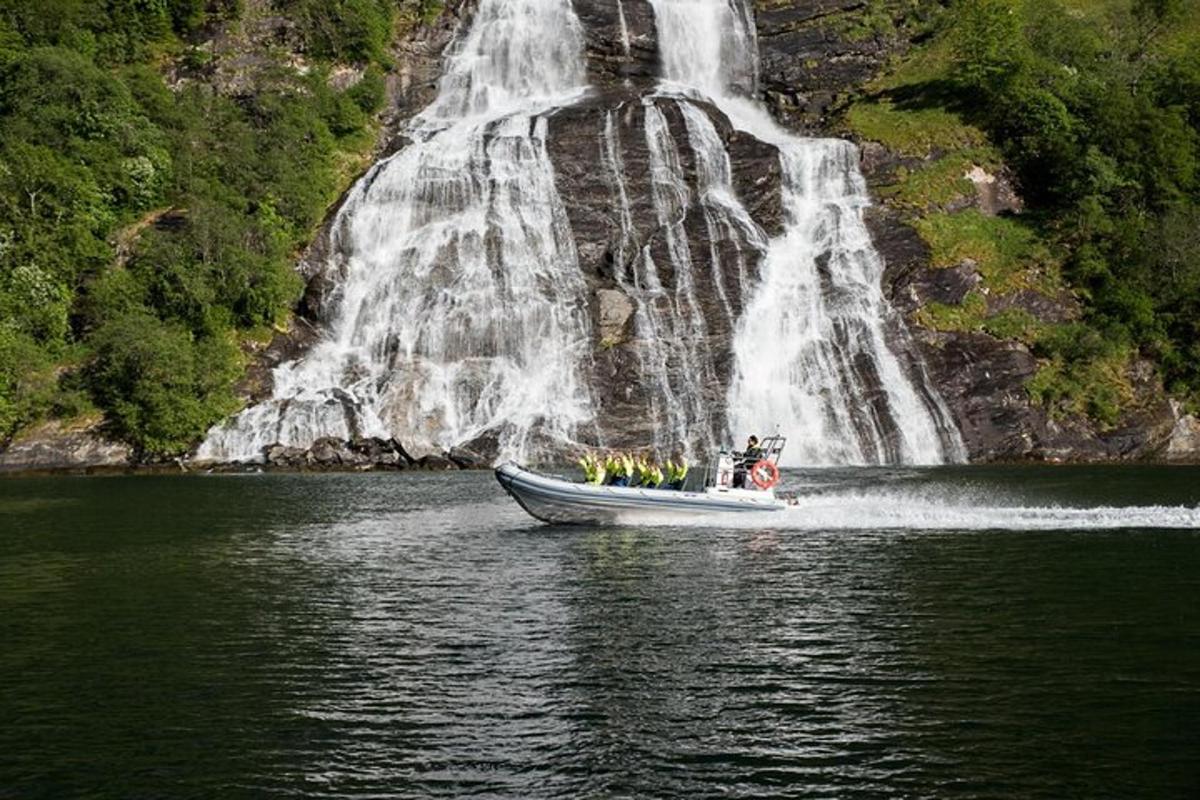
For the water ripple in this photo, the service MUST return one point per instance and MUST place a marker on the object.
(378, 636)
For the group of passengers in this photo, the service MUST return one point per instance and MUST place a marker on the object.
(627, 469)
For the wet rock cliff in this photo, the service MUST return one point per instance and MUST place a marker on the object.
(812, 56)
(670, 210)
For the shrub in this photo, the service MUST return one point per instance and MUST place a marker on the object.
(26, 380)
(344, 30)
(162, 386)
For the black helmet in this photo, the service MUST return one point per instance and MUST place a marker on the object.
(753, 440)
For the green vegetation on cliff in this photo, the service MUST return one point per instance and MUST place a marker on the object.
(146, 226)
(1095, 107)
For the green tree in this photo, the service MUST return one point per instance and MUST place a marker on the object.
(988, 44)
(163, 387)
(344, 30)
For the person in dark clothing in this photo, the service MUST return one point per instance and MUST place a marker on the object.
(749, 458)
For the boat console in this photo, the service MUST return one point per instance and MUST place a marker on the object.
(733, 472)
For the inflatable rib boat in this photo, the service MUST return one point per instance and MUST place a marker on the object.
(556, 500)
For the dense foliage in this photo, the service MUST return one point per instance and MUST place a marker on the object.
(1092, 104)
(1097, 107)
(144, 228)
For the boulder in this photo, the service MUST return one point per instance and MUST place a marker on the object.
(281, 455)
(374, 448)
(328, 451)
(614, 310)
(465, 458)
(994, 192)
(59, 445)
(436, 463)
(379, 453)
(1183, 445)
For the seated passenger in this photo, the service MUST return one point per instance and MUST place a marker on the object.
(677, 474)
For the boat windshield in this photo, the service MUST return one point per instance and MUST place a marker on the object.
(770, 448)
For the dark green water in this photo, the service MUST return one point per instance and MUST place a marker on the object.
(957, 633)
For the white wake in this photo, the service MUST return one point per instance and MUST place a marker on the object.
(939, 510)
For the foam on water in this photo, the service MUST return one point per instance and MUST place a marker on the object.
(858, 510)
(888, 515)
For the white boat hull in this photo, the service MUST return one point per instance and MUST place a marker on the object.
(556, 500)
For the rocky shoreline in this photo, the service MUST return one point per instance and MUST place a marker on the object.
(58, 449)
(84, 449)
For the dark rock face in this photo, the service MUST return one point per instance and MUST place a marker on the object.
(614, 241)
(577, 143)
(622, 42)
(983, 383)
(812, 51)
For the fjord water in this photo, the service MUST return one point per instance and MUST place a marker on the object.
(955, 632)
(461, 308)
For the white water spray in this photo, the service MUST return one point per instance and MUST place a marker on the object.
(887, 511)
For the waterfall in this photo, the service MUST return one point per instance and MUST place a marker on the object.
(811, 352)
(812, 360)
(726, 219)
(461, 311)
(672, 335)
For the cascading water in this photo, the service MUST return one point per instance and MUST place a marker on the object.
(811, 355)
(725, 218)
(461, 310)
(673, 331)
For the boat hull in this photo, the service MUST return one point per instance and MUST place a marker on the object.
(558, 501)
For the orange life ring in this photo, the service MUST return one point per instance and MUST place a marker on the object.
(772, 474)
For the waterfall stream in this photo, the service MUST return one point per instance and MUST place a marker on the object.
(812, 359)
(462, 311)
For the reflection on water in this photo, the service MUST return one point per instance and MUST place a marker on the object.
(406, 635)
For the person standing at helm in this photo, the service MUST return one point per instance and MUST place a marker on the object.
(752, 453)
(750, 457)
